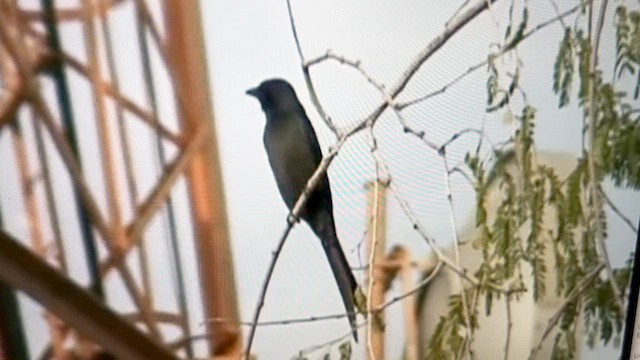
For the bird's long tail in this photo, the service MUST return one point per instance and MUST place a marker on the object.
(343, 275)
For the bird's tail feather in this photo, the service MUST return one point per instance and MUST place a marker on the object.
(344, 278)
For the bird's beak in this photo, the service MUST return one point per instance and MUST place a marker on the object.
(253, 92)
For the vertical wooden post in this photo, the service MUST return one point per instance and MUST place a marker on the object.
(407, 277)
(185, 47)
(376, 237)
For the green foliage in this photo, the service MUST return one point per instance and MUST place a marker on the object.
(345, 350)
(564, 69)
(583, 45)
(541, 215)
(603, 319)
(628, 44)
(449, 337)
(500, 239)
(617, 137)
(497, 97)
(541, 219)
(574, 47)
(566, 211)
(518, 36)
(493, 87)
(564, 346)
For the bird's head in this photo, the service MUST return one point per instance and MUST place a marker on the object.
(275, 95)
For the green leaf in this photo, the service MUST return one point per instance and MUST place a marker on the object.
(564, 68)
(345, 350)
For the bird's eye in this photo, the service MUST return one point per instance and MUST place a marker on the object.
(268, 98)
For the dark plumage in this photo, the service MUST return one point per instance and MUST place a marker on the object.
(294, 155)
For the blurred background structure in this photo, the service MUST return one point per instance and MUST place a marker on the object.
(96, 210)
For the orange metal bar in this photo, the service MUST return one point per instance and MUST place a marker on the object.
(154, 201)
(71, 14)
(33, 216)
(24, 271)
(109, 171)
(186, 55)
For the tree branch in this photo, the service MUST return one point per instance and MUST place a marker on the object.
(580, 288)
(596, 204)
(265, 286)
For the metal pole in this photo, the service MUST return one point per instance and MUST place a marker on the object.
(186, 56)
(23, 270)
(13, 344)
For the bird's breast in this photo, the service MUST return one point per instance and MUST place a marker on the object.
(290, 156)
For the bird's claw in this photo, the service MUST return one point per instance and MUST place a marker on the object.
(292, 219)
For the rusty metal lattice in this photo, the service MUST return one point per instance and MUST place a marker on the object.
(73, 129)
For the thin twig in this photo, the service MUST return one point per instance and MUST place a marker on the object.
(418, 287)
(509, 327)
(283, 322)
(329, 343)
(581, 287)
(265, 286)
(456, 242)
(616, 210)
(307, 76)
(329, 55)
(452, 28)
(422, 284)
(482, 64)
(404, 205)
(341, 315)
(419, 134)
(425, 54)
(596, 205)
(557, 11)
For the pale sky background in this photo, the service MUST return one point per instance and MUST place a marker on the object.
(250, 41)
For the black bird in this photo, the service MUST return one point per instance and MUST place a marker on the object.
(294, 155)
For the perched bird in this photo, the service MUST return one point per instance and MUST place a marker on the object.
(294, 154)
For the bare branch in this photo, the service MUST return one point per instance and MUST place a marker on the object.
(265, 286)
(452, 28)
(444, 88)
(580, 288)
(329, 343)
(594, 193)
(456, 245)
(509, 326)
(404, 204)
(616, 210)
(329, 55)
(307, 76)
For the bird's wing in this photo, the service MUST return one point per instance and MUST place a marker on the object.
(291, 157)
(321, 198)
(310, 136)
